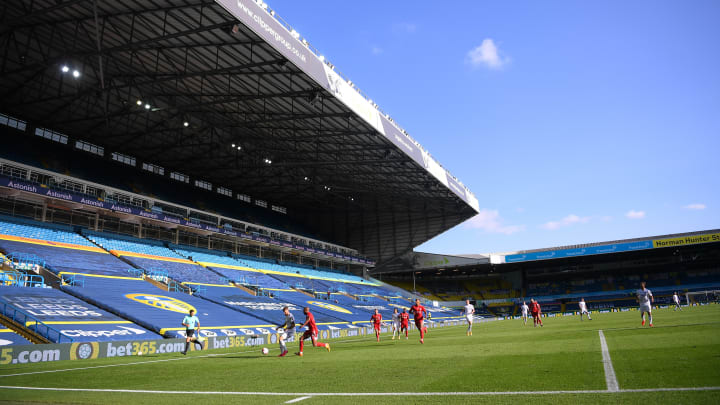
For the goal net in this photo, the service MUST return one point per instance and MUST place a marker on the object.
(702, 297)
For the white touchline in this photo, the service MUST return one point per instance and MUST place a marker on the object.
(362, 394)
(610, 379)
(292, 401)
(135, 363)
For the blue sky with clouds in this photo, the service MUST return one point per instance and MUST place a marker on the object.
(572, 122)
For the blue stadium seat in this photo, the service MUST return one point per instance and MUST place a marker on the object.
(67, 316)
(8, 337)
(162, 311)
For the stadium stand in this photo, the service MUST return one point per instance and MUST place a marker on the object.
(154, 257)
(59, 317)
(40, 154)
(265, 308)
(61, 250)
(269, 275)
(162, 311)
(232, 269)
(9, 337)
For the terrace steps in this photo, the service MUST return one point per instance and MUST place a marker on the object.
(22, 330)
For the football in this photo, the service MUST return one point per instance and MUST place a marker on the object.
(265, 350)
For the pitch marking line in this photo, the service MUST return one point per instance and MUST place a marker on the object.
(154, 361)
(362, 394)
(292, 401)
(610, 378)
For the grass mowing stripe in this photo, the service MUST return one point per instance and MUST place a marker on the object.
(154, 361)
(505, 363)
(610, 379)
(307, 395)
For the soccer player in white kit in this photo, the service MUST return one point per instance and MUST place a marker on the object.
(645, 299)
(524, 311)
(286, 331)
(583, 309)
(396, 324)
(676, 300)
(468, 311)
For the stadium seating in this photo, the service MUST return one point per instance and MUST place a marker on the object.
(265, 308)
(162, 311)
(152, 256)
(230, 268)
(61, 250)
(9, 337)
(69, 318)
(111, 283)
(269, 274)
(322, 307)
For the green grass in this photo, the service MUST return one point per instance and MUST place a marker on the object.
(682, 350)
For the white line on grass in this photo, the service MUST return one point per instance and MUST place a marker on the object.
(362, 394)
(292, 401)
(610, 379)
(152, 361)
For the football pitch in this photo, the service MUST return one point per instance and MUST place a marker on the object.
(677, 361)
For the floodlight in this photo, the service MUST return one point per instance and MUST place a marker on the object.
(65, 69)
(147, 106)
(76, 73)
(139, 102)
(186, 124)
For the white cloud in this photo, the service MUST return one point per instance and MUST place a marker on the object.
(490, 221)
(695, 207)
(632, 214)
(567, 221)
(488, 55)
(405, 27)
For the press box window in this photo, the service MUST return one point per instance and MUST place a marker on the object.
(119, 157)
(153, 168)
(88, 147)
(12, 122)
(180, 177)
(51, 135)
(203, 184)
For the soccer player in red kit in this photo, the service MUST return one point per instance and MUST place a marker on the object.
(418, 310)
(404, 320)
(311, 332)
(535, 311)
(376, 319)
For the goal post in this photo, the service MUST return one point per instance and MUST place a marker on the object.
(702, 297)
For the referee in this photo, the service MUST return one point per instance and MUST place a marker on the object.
(191, 324)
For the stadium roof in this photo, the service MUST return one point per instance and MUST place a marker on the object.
(423, 261)
(177, 83)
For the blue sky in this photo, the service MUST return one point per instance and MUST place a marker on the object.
(572, 122)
